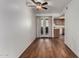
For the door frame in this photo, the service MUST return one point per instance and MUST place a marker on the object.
(37, 25)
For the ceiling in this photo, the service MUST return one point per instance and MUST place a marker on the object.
(54, 6)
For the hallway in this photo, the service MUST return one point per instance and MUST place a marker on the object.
(48, 48)
(22, 21)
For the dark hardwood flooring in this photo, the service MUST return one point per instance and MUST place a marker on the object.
(48, 48)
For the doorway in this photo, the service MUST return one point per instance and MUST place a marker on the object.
(44, 26)
(59, 27)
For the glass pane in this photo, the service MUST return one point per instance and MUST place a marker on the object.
(46, 30)
(41, 30)
(42, 23)
(47, 22)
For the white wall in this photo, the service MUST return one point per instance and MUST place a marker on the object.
(38, 26)
(72, 26)
(17, 27)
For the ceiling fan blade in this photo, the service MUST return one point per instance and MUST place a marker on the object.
(45, 3)
(44, 8)
(34, 1)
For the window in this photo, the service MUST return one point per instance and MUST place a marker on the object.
(47, 22)
(47, 25)
(42, 23)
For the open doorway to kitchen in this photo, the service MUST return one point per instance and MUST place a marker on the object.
(59, 27)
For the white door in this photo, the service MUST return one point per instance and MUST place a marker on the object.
(44, 26)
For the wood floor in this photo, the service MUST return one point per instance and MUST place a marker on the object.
(48, 48)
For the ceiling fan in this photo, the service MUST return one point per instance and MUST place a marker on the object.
(39, 5)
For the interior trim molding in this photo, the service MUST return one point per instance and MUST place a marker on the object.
(71, 51)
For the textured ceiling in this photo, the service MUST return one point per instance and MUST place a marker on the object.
(54, 6)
